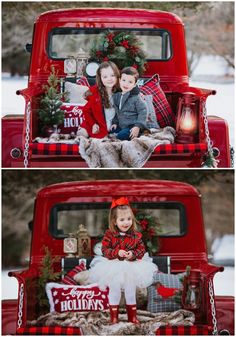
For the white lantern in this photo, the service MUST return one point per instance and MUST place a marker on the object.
(82, 59)
(70, 66)
(70, 245)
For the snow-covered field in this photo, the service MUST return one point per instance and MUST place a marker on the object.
(222, 104)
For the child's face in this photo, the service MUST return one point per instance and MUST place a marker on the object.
(124, 220)
(108, 77)
(127, 82)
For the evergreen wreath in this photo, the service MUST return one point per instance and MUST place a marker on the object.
(122, 48)
(150, 229)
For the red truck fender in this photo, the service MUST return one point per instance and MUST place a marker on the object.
(225, 314)
(219, 135)
(9, 317)
(12, 130)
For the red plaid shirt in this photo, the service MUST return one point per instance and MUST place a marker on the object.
(113, 241)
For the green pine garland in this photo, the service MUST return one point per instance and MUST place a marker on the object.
(123, 48)
(50, 112)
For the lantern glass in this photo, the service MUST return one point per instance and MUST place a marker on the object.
(192, 300)
(191, 297)
(188, 121)
(70, 245)
(82, 60)
(70, 65)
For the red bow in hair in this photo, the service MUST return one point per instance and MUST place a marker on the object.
(119, 202)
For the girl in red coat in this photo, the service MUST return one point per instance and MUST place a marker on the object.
(99, 111)
(124, 264)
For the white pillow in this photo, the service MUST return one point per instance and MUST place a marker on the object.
(76, 93)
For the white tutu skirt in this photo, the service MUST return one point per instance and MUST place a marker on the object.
(109, 273)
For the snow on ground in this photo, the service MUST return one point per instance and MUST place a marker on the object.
(212, 65)
(223, 249)
(12, 103)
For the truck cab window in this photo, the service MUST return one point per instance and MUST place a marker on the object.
(170, 218)
(64, 42)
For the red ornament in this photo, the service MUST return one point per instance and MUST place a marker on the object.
(105, 59)
(98, 53)
(125, 44)
(151, 231)
(135, 66)
(110, 37)
(144, 224)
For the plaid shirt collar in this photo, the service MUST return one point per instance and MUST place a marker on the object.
(117, 234)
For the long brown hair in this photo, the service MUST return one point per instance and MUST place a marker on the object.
(113, 217)
(101, 87)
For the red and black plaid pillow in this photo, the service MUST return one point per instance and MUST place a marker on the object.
(164, 113)
(69, 277)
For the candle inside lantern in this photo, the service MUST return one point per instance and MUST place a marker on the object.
(187, 119)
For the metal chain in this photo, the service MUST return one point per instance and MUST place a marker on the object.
(208, 139)
(213, 309)
(27, 136)
(209, 142)
(232, 156)
(20, 308)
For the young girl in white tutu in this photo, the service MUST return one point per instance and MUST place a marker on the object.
(124, 264)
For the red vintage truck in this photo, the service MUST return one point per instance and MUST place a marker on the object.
(173, 206)
(162, 34)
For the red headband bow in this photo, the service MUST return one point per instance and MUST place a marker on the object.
(119, 202)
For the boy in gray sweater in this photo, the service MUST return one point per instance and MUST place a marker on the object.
(131, 110)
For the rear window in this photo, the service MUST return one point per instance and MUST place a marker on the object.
(169, 218)
(65, 42)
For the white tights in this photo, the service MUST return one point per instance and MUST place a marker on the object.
(115, 294)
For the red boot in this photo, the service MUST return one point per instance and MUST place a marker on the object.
(132, 313)
(114, 311)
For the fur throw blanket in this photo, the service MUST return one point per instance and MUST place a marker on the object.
(110, 152)
(97, 322)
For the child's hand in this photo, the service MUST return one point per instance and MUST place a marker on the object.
(113, 127)
(129, 255)
(95, 128)
(122, 253)
(134, 132)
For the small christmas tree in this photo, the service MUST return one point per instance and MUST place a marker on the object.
(46, 274)
(50, 112)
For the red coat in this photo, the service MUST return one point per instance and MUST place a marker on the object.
(132, 241)
(93, 113)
